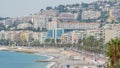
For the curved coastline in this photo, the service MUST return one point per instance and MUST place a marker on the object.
(4, 48)
(61, 56)
(51, 63)
(49, 58)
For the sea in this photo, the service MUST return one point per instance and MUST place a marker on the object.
(9, 59)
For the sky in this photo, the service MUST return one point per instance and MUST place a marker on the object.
(18, 8)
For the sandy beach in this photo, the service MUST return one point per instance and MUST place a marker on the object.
(62, 58)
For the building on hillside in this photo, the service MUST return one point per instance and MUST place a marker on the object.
(2, 21)
(39, 21)
(8, 22)
(74, 9)
(115, 0)
(114, 13)
(66, 17)
(20, 20)
(48, 13)
(53, 24)
(24, 25)
(90, 14)
(3, 35)
(78, 25)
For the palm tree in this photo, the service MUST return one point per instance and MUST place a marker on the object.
(113, 52)
(23, 39)
(48, 41)
(58, 41)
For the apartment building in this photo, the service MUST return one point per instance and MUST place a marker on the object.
(66, 38)
(78, 25)
(90, 14)
(3, 35)
(39, 21)
(73, 37)
(96, 33)
(78, 35)
(114, 13)
(55, 33)
(53, 24)
(48, 13)
(43, 37)
(111, 31)
(66, 17)
(24, 25)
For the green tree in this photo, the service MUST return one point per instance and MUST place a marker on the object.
(35, 43)
(79, 17)
(79, 41)
(48, 40)
(44, 30)
(23, 39)
(1, 18)
(58, 41)
(91, 44)
(61, 8)
(30, 22)
(113, 52)
(4, 42)
(84, 5)
(38, 29)
(52, 41)
(48, 8)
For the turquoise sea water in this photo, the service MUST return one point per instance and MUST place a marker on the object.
(21, 60)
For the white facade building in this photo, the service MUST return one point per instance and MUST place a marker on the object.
(39, 21)
(91, 14)
(24, 25)
(111, 31)
(78, 25)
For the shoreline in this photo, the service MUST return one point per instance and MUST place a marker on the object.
(49, 58)
(6, 48)
(61, 56)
